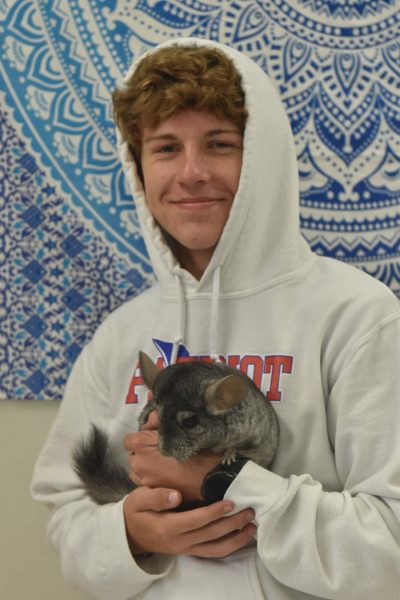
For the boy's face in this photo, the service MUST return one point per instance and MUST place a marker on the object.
(191, 167)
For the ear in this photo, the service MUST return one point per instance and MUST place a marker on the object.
(149, 370)
(224, 394)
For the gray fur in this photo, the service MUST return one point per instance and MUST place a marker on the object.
(200, 406)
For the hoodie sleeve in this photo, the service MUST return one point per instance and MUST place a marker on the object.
(90, 539)
(346, 543)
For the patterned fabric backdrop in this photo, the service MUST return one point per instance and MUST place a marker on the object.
(70, 246)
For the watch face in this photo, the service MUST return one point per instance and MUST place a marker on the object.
(217, 481)
(215, 486)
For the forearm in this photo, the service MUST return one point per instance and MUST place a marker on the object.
(350, 544)
(95, 555)
(90, 539)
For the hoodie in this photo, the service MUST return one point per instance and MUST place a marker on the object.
(320, 339)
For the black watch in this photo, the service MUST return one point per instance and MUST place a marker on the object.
(217, 481)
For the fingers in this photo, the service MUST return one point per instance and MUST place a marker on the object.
(204, 532)
(157, 500)
(220, 537)
(199, 518)
(219, 527)
(152, 421)
(224, 546)
(146, 514)
(152, 424)
(140, 440)
(127, 441)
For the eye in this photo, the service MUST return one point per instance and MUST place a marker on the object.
(225, 144)
(221, 145)
(166, 149)
(188, 420)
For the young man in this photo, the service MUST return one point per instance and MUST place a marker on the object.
(209, 155)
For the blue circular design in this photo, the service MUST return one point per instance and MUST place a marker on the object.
(66, 207)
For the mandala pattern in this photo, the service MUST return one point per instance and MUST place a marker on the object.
(70, 245)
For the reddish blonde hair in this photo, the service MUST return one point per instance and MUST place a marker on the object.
(173, 79)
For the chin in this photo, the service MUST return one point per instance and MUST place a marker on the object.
(181, 453)
(200, 244)
(198, 239)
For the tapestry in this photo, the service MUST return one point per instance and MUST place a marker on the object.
(70, 244)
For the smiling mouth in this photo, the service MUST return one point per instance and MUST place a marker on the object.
(196, 201)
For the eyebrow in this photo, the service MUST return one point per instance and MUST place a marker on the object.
(172, 136)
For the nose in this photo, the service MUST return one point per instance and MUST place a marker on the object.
(194, 169)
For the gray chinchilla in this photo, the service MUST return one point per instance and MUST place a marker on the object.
(200, 406)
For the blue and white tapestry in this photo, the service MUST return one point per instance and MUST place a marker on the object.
(70, 246)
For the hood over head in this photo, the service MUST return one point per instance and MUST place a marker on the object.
(261, 243)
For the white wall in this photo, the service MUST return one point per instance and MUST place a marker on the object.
(29, 568)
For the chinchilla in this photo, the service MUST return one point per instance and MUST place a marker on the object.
(200, 406)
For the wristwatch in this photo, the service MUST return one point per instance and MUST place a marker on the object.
(217, 481)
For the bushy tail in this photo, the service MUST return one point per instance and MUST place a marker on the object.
(105, 481)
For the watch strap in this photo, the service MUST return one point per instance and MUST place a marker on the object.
(217, 481)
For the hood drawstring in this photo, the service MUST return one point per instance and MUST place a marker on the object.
(182, 319)
(214, 315)
(213, 321)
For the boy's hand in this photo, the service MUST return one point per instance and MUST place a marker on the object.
(151, 469)
(204, 531)
(151, 527)
(152, 421)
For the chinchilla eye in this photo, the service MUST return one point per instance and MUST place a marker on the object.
(190, 422)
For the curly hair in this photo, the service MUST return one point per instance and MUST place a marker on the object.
(173, 79)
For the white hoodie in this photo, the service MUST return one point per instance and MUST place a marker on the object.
(320, 338)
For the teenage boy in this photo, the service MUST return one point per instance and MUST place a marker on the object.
(209, 155)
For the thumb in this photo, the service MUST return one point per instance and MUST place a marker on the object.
(152, 421)
(157, 499)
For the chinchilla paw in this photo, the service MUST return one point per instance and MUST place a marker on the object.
(229, 457)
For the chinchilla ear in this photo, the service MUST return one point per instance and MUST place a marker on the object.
(224, 394)
(149, 370)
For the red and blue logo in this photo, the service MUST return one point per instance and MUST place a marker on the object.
(267, 371)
